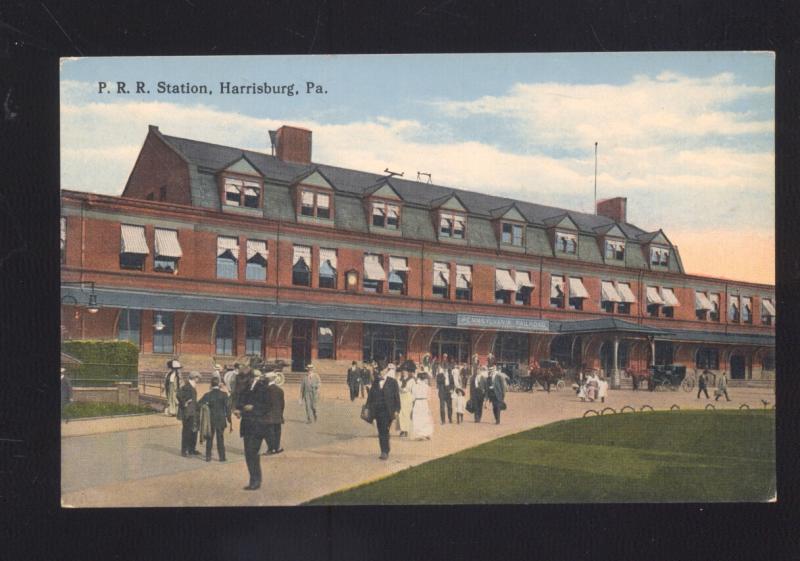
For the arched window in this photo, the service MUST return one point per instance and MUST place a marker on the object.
(384, 342)
(707, 357)
(511, 348)
(454, 343)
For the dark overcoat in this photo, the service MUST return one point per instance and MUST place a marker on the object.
(219, 412)
(275, 405)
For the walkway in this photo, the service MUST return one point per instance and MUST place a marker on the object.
(143, 467)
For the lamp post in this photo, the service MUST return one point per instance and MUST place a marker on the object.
(158, 325)
(92, 306)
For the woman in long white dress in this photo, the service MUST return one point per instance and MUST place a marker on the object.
(171, 382)
(421, 420)
(407, 383)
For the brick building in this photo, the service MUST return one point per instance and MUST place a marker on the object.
(213, 252)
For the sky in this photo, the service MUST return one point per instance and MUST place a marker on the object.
(688, 138)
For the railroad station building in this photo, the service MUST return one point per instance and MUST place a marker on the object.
(213, 252)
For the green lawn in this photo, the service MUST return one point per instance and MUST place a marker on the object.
(684, 456)
(82, 409)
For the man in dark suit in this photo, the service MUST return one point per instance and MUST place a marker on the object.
(252, 407)
(219, 417)
(188, 413)
(353, 380)
(274, 416)
(445, 383)
(383, 402)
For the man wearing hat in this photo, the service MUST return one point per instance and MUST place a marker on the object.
(66, 391)
(188, 413)
(219, 418)
(172, 382)
(353, 380)
(252, 405)
(274, 416)
(309, 393)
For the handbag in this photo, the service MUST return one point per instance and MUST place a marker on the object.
(470, 406)
(366, 414)
(503, 406)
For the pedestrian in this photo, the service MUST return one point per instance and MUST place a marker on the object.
(171, 386)
(219, 417)
(722, 387)
(353, 380)
(188, 414)
(407, 383)
(383, 403)
(592, 384)
(702, 384)
(496, 393)
(66, 393)
(602, 389)
(407, 364)
(242, 380)
(274, 417)
(309, 393)
(460, 402)
(477, 392)
(445, 385)
(364, 380)
(253, 404)
(422, 423)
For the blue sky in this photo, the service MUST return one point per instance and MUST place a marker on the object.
(687, 137)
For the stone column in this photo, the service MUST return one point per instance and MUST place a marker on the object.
(652, 352)
(615, 383)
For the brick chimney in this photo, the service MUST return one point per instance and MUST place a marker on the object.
(615, 209)
(292, 144)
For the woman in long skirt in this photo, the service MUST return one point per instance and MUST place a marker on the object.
(171, 382)
(407, 383)
(421, 420)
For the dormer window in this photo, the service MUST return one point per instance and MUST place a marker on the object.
(512, 234)
(451, 225)
(566, 243)
(242, 193)
(659, 256)
(615, 250)
(385, 215)
(315, 205)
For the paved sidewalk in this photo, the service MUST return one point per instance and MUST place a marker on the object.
(144, 467)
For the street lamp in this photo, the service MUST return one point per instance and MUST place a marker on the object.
(159, 324)
(92, 306)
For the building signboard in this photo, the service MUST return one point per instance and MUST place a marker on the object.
(504, 323)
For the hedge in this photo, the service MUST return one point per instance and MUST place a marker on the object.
(104, 363)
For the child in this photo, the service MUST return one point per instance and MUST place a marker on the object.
(460, 403)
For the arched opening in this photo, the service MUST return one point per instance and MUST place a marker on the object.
(665, 353)
(384, 342)
(738, 365)
(607, 356)
(511, 352)
(456, 344)
(567, 350)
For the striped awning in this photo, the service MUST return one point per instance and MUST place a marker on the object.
(257, 247)
(373, 270)
(463, 276)
(329, 256)
(668, 295)
(653, 296)
(701, 301)
(399, 264)
(393, 211)
(625, 292)
(609, 293)
(523, 279)
(225, 243)
(503, 280)
(133, 240)
(576, 288)
(441, 274)
(302, 252)
(768, 307)
(167, 244)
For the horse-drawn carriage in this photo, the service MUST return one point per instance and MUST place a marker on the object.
(663, 377)
(546, 376)
(256, 362)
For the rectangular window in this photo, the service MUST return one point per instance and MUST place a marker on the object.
(523, 297)
(392, 217)
(133, 247)
(445, 226)
(702, 305)
(767, 311)
(63, 239)
(659, 256)
(441, 280)
(398, 271)
(307, 203)
(713, 313)
(256, 267)
(323, 205)
(624, 308)
(524, 288)
(458, 227)
(224, 335)
(609, 296)
(233, 191)
(504, 286)
(733, 309)
(747, 309)
(301, 266)
(315, 204)
(566, 243)
(577, 293)
(162, 338)
(451, 225)
(250, 192)
(557, 292)
(327, 268)
(378, 215)
(615, 250)
(608, 307)
(463, 282)
(707, 358)
(385, 215)
(254, 335)
(512, 234)
(374, 273)
(129, 326)
(168, 251)
(227, 257)
(325, 339)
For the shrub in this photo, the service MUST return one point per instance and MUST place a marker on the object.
(104, 363)
(79, 410)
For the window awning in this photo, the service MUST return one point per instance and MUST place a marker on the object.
(399, 264)
(556, 287)
(576, 288)
(652, 296)
(523, 279)
(770, 309)
(133, 240)
(393, 211)
(256, 247)
(251, 191)
(701, 301)
(463, 276)
(625, 292)
(228, 244)
(668, 295)
(328, 255)
(167, 244)
(503, 280)
(302, 252)
(326, 331)
(308, 198)
(373, 270)
(441, 274)
(233, 186)
(609, 293)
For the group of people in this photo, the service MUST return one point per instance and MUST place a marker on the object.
(401, 394)
(722, 385)
(249, 394)
(593, 387)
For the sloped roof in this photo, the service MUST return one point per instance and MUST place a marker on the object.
(215, 157)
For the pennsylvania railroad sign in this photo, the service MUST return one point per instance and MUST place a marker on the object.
(511, 324)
